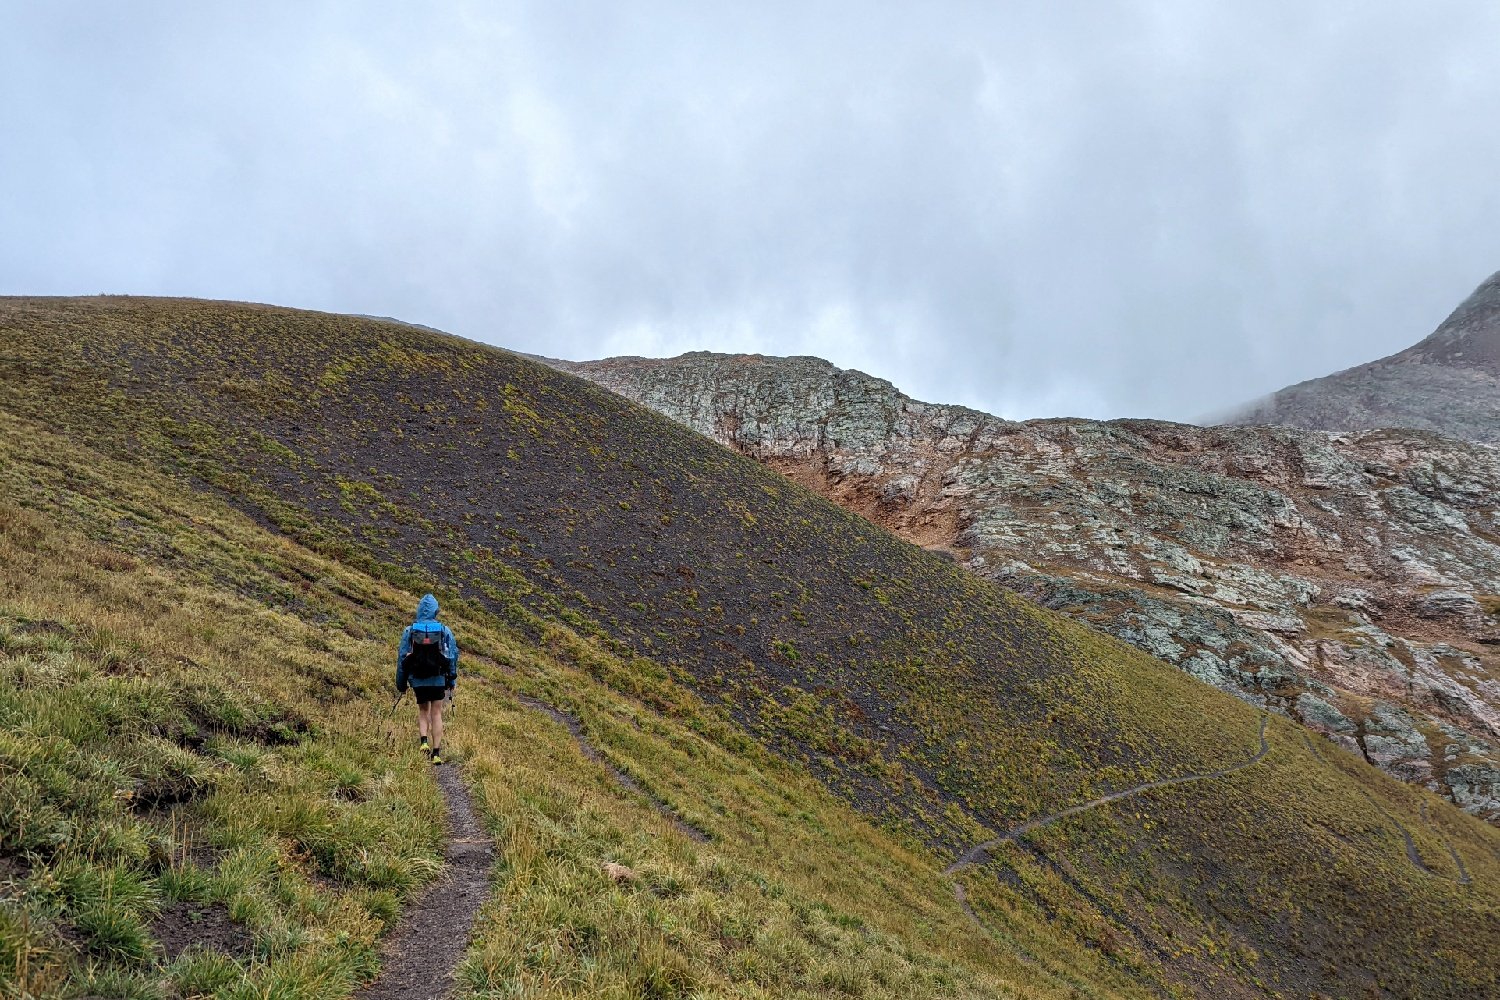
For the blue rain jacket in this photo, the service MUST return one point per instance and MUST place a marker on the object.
(427, 611)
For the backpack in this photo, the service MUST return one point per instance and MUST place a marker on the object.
(427, 658)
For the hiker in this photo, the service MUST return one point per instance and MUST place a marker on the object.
(428, 661)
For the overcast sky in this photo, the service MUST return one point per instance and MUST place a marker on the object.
(1097, 209)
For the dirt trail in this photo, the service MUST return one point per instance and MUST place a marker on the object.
(421, 955)
(1412, 854)
(980, 853)
(1463, 873)
(620, 778)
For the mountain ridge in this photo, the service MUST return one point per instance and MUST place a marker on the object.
(1449, 382)
(1342, 579)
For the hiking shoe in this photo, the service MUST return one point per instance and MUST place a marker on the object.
(437, 758)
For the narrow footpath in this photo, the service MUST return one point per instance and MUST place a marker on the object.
(422, 953)
(1413, 856)
(625, 781)
(980, 853)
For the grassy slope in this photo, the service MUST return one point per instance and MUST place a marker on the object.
(919, 694)
(193, 714)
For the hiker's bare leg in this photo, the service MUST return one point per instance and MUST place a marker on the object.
(436, 724)
(422, 720)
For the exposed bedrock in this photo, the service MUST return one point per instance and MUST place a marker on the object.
(1351, 581)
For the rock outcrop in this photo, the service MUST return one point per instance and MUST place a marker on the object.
(1347, 580)
(1448, 383)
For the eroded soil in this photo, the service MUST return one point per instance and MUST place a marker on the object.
(420, 956)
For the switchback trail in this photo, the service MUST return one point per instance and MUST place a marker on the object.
(1413, 856)
(620, 778)
(979, 853)
(430, 941)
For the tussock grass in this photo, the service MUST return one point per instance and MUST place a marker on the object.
(167, 739)
(158, 745)
(839, 711)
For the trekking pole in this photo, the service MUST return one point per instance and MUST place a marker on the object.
(385, 722)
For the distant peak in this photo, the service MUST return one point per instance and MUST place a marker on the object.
(1470, 336)
(1448, 383)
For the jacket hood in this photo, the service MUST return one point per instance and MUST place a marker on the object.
(427, 608)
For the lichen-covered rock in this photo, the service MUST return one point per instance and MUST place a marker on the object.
(1476, 787)
(1392, 743)
(1319, 714)
(1317, 574)
(1448, 604)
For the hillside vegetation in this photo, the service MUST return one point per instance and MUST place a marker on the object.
(242, 502)
(196, 748)
(1348, 581)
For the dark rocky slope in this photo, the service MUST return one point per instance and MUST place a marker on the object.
(1448, 383)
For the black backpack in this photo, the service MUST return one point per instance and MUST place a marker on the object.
(427, 658)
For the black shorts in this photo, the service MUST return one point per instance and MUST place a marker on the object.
(429, 694)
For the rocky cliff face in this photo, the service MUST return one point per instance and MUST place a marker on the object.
(1448, 383)
(1351, 581)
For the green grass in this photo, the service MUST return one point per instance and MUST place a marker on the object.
(841, 711)
(156, 747)
(168, 738)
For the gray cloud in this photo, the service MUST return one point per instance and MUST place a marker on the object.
(1149, 208)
